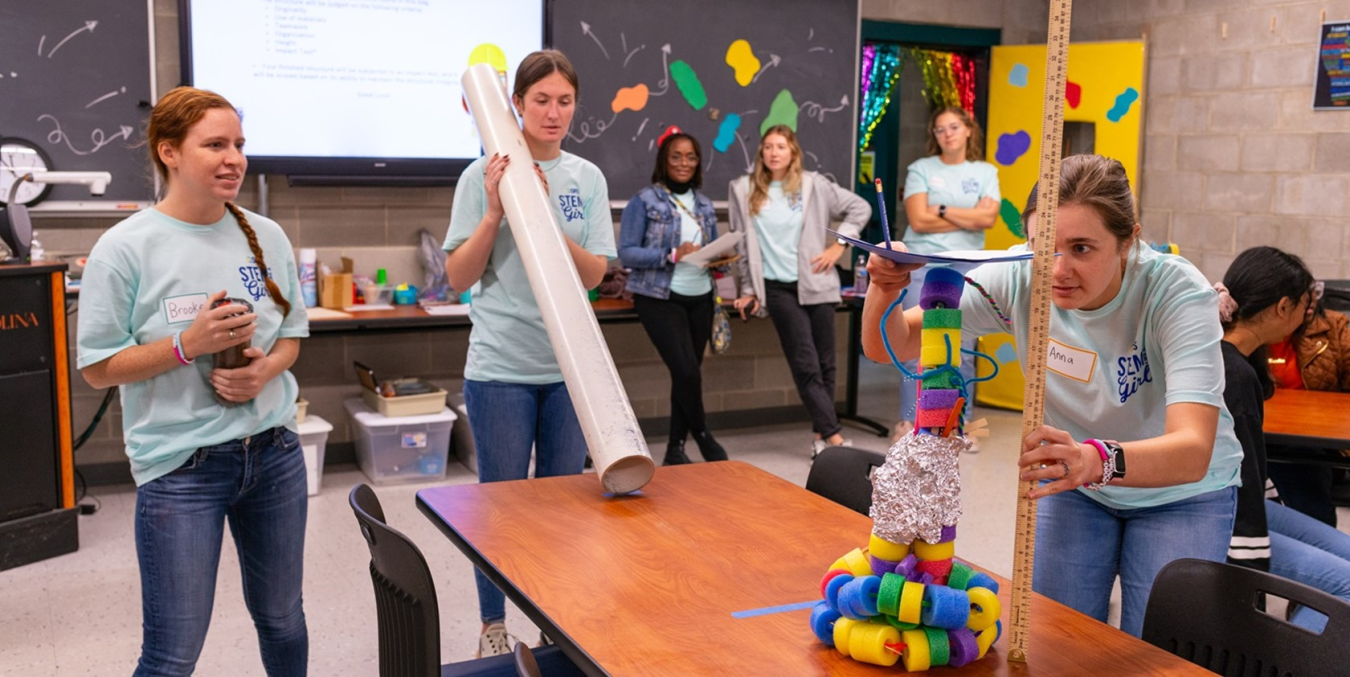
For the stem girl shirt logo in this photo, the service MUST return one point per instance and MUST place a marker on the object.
(252, 278)
(571, 205)
(1132, 371)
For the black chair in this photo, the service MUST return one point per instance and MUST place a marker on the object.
(844, 475)
(1336, 295)
(409, 617)
(1207, 613)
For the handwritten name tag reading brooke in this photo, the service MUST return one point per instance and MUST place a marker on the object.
(183, 308)
(1074, 363)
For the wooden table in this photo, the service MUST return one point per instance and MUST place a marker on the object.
(647, 584)
(1308, 418)
(413, 318)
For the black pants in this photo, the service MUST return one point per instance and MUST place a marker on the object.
(807, 335)
(680, 328)
(1305, 487)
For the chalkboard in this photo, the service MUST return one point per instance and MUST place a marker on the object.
(718, 69)
(75, 79)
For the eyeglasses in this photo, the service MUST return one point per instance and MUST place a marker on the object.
(953, 128)
(683, 159)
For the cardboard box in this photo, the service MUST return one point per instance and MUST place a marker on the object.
(336, 291)
(405, 405)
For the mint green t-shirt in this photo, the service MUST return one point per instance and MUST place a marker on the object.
(963, 186)
(689, 279)
(508, 342)
(779, 227)
(147, 278)
(1112, 372)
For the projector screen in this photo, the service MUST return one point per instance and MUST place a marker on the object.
(355, 87)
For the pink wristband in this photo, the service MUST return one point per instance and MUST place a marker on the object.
(1101, 449)
(178, 348)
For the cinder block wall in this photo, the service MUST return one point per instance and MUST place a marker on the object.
(1234, 155)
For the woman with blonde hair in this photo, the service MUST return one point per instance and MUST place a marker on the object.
(787, 265)
(206, 445)
(951, 199)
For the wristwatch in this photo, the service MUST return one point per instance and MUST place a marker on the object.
(842, 241)
(942, 211)
(1113, 462)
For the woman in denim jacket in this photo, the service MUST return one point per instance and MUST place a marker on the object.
(663, 223)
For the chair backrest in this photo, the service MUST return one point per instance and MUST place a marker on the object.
(1336, 295)
(1207, 613)
(405, 596)
(844, 475)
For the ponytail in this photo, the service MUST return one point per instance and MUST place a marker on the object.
(272, 289)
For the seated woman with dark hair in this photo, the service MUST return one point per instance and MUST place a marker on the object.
(1264, 298)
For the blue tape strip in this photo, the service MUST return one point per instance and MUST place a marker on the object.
(774, 609)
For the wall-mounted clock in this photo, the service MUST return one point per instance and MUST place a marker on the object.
(18, 157)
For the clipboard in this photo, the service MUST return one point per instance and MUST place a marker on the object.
(715, 251)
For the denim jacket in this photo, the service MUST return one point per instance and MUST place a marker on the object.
(648, 230)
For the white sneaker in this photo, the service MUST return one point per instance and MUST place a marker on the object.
(494, 641)
(818, 446)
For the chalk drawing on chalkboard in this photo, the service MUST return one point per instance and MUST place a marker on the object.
(743, 62)
(98, 137)
(640, 128)
(818, 111)
(774, 60)
(105, 97)
(629, 54)
(586, 30)
(88, 26)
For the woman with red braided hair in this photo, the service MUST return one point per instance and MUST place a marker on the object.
(206, 444)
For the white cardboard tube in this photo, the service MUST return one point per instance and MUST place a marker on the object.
(607, 420)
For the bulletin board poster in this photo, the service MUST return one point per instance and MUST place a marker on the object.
(1332, 91)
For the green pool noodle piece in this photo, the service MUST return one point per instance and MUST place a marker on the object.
(688, 83)
(783, 111)
(944, 380)
(1013, 218)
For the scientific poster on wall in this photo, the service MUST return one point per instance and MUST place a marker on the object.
(1332, 91)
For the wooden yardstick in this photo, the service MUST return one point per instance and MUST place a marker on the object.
(1038, 328)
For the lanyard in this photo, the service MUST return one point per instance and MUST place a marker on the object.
(673, 200)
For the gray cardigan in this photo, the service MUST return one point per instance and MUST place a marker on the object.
(822, 201)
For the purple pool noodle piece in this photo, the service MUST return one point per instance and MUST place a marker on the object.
(906, 566)
(948, 534)
(964, 648)
(881, 567)
(938, 399)
(948, 275)
(924, 578)
(938, 294)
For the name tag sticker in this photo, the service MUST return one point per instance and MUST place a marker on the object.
(180, 309)
(1074, 363)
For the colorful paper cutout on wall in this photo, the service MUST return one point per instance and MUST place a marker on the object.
(630, 98)
(1013, 218)
(688, 83)
(1123, 102)
(743, 61)
(1012, 146)
(1017, 77)
(1006, 354)
(783, 111)
(1073, 94)
(726, 132)
(489, 54)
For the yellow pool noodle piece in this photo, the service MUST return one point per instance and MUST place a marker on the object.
(883, 549)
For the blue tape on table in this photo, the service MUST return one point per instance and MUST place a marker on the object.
(751, 613)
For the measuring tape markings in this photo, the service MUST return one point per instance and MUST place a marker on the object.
(1038, 327)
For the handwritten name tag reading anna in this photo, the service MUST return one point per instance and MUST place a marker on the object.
(1074, 363)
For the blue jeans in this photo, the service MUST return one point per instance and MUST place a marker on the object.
(1082, 546)
(909, 390)
(257, 484)
(1306, 550)
(507, 420)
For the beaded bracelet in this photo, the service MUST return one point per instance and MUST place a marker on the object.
(178, 348)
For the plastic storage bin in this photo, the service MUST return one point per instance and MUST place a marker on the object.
(313, 439)
(400, 449)
(431, 403)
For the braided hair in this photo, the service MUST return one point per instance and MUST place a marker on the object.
(272, 289)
